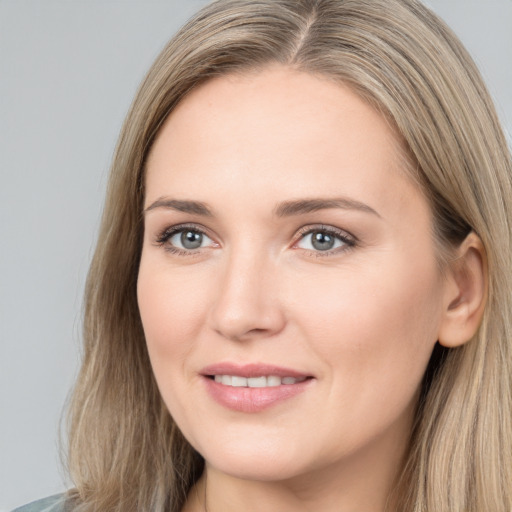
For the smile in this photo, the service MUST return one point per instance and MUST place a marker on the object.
(252, 388)
(271, 381)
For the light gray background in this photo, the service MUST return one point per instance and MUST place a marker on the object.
(68, 71)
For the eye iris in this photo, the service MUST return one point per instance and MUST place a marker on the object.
(322, 241)
(191, 239)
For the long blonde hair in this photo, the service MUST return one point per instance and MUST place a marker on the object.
(125, 452)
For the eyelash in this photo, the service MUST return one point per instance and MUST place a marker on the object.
(348, 240)
(164, 237)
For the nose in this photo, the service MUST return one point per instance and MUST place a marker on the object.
(246, 303)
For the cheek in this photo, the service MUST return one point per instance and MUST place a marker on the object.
(376, 328)
(172, 312)
(370, 308)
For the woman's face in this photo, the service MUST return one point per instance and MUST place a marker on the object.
(288, 285)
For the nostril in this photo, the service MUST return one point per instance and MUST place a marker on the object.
(257, 331)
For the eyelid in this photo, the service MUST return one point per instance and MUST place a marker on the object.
(349, 240)
(168, 232)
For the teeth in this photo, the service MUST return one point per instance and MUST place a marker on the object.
(256, 382)
(273, 381)
(238, 382)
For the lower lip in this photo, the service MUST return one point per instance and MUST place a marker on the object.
(245, 399)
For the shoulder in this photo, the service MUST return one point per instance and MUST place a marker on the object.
(50, 504)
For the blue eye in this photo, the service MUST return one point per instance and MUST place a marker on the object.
(324, 240)
(184, 239)
(188, 239)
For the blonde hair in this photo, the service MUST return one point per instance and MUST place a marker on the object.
(125, 452)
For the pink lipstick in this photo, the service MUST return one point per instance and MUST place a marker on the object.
(253, 387)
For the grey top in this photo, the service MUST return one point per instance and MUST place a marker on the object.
(50, 504)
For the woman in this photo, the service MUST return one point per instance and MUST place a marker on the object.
(300, 298)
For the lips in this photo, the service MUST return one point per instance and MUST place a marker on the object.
(256, 382)
(254, 387)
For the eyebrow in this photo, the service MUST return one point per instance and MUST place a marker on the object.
(185, 206)
(284, 209)
(302, 206)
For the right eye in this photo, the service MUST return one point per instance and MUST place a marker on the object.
(184, 240)
(188, 239)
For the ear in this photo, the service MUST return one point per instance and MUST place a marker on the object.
(465, 293)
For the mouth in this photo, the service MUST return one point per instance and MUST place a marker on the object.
(270, 381)
(255, 387)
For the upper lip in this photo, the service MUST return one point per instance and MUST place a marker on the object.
(251, 370)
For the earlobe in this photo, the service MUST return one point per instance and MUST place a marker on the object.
(465, 293)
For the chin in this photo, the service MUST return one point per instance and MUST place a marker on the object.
(269, 469)
(259, 461)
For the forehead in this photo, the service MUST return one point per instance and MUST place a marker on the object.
(276, 128)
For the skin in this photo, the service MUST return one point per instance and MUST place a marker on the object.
(362, 320)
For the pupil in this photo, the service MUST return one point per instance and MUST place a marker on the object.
(191, 239)
(322, 241)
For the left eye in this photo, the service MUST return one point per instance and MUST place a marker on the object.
(189, 239)
(322, 240)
